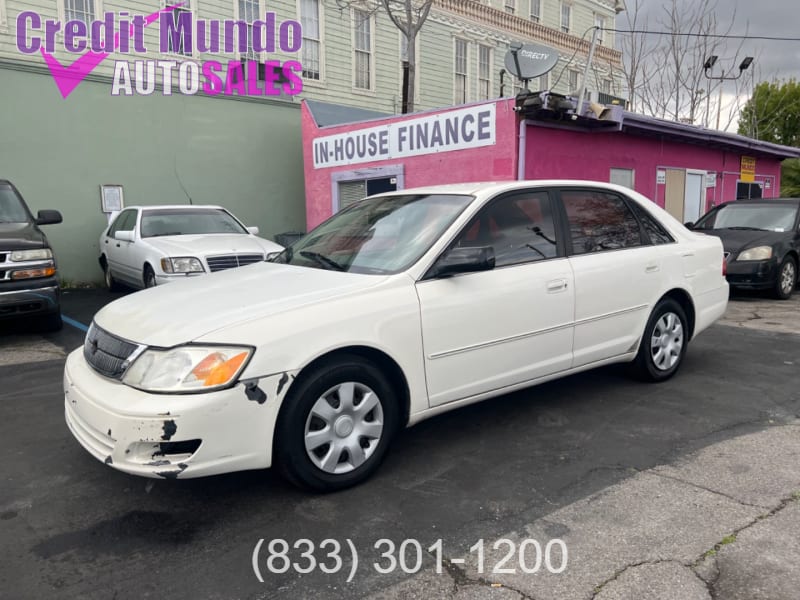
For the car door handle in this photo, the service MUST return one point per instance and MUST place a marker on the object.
(117, 244)
(556, 285)
(651, 268)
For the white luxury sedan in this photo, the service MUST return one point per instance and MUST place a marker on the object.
(402, 306)
(145, 246)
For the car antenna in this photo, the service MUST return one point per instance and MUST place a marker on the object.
(178, 177)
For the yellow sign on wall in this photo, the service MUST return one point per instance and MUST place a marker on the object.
(748, 169)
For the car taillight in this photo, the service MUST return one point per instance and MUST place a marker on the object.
(724, 267)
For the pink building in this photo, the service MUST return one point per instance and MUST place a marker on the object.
(350, 153)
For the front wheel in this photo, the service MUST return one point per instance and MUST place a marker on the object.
(664, 342)
(149, 277)
(336, 425)
(787, 279)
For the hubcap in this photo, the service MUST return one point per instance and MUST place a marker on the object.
(667, 341)
(787, 278)
(344, 427)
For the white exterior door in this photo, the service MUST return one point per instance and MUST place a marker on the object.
(617, 273)
(695, 192)
(489, 330)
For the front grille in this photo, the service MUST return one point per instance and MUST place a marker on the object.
(231, 261)
(3, 257)
(107, 353)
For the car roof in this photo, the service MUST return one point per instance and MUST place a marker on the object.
(768, 201)
(175, 206)
(493, 187)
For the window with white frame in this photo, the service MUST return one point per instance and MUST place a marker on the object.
(511, 6)
(249, 12)
(566, 17)
(605, 86)
(79, 10)
(174, 16)
(600, 23)
(543, 82)
(536, 11)
(573, 80)
(484, 72)
(362, 49)
(312, 39)
(460, 70)
(2, 14)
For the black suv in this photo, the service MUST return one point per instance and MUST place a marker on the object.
(28, 283)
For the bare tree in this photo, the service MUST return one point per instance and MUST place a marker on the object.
(408, 16)
(666, 74)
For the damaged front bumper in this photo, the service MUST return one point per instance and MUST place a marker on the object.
(171, 435)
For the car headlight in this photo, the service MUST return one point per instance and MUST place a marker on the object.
(187, 368)
(757, 253)
(38, 254)
(182, 264)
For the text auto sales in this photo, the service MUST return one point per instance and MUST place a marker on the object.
(179, 33)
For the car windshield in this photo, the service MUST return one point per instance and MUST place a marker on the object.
(377, 235)
(766, 217)
(11, 208)
(178, 221)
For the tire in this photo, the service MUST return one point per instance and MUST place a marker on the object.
(149, 277)
(111, 284)
(318, 427)
(786, 280)
(664, 342)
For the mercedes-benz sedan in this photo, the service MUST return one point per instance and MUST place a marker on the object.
(400, 307)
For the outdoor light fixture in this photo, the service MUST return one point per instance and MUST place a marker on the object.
(710, 62)
(748, 60)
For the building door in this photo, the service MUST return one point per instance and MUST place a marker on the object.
(693, 197)
(675, 193)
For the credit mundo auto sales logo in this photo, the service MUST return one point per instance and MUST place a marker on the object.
(180, 35)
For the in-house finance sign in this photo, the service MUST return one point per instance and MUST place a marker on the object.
(459, 129)
(533, 59)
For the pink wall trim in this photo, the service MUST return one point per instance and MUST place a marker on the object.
(561, 153)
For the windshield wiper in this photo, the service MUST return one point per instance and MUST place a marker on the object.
(322, 260)
(166, 233)
(746, 228)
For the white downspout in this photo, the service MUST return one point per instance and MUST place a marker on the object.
(523, 128)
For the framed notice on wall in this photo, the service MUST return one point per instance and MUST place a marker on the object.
(111, 198)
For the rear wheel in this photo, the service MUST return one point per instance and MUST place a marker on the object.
(664, 342)
(336, 425)
(787, 279)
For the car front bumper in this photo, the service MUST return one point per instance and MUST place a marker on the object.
(171, 435)
(753, 274)
(29, 297)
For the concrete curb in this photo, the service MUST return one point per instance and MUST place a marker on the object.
(723, 522)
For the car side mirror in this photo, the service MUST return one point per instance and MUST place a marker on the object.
(253, 230)
(48, 217)
(689, 225)
(273, 255)
(464, 260)
(125, 236)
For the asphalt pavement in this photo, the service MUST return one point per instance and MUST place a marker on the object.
(686, 489)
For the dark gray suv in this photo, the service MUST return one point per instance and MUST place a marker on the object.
(28, 283)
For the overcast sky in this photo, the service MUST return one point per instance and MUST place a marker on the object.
(775, 18)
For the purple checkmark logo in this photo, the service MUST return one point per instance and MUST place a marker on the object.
(69, 77)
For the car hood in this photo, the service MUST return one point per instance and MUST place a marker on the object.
(736, 240)
(21, 236)
(186, 310)
(211, 244)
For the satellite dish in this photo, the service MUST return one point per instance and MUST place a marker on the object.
(532, 60)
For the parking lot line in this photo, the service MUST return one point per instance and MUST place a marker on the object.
(74, 323)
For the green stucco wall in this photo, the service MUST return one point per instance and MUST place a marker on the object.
(245, 155)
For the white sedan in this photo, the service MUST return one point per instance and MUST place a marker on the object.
(400, 307)
(144, 246)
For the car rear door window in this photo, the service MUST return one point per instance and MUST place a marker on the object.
(654, 230)
(599, 221)
(519, 227)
